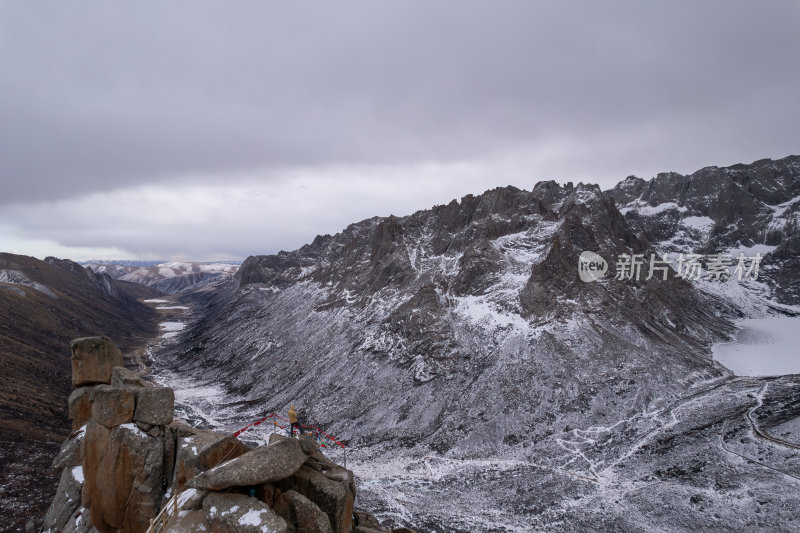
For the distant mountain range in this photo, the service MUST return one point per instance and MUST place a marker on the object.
(168, 277)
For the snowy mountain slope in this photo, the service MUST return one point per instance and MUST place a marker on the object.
(464, 334)
(431, 312)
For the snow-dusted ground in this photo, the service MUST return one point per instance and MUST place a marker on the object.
(202, 405)
(763, 347)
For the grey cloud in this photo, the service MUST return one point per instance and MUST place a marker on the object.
(96, 96)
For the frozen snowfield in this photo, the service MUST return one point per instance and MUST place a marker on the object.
(171, 329)
(763, 347)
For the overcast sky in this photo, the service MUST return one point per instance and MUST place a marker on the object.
(216, 130)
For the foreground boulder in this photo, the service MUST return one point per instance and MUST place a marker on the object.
(154, 405)
(189, 522)
(265, 464)
(237, 513)
(301, 512)
(93, 359)
(112, 406)
(201, 451)
(335, 497)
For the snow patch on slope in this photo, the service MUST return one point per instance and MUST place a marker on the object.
(15, 277)
(647, 210)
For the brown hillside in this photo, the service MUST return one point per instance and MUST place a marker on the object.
(43, 306)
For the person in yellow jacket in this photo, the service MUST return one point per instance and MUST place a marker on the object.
(293, 421)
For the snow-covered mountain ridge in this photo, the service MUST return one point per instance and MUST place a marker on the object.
(463, 333)
(740, 209)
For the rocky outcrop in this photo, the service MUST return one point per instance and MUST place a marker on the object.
(713, 210)
(129, 459)
(121, 447)
(124, 470)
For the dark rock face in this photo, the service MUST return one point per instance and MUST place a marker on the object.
(301, 512)
(268, 269)
(477, 269)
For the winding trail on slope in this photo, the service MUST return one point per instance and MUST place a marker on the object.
(757, 429)
(749, 460)
(670, 411)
